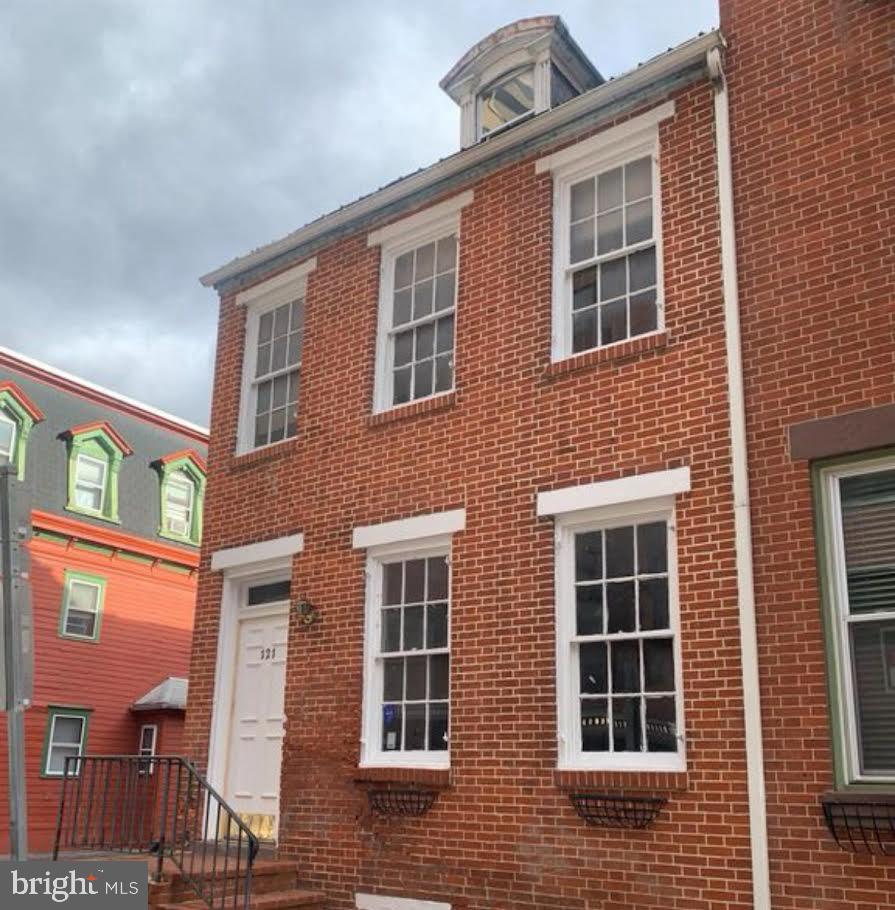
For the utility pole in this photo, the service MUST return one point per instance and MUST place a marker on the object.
(16, 698)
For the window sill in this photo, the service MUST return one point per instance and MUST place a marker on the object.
(275, 452)
(81, 638)
(623, 781)
(413, 409)
(436, 778)
(624, 351)
(186, 541)
(112, 520)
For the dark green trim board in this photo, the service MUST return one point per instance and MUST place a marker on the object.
(54, 711)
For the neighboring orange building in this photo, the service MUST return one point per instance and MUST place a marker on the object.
(113, 490)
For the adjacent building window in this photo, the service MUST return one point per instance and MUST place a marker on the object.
(182, 479)
(417, 306)
(147, 745)
(18, 414)
(95, 454)
(607, 281)
(857, 505)
(272, 362)
(508, 100)
(8, 430)
(66, 738)
(82, 606)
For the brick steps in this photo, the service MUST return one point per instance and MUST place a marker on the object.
(275, 900)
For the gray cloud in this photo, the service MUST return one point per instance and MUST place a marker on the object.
(144, 143)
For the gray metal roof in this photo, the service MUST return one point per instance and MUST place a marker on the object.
(169, 695)
(46, 459)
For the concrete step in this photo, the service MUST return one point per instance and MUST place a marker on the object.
(268, 875)
(275, 900)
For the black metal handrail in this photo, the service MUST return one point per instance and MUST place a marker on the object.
(161, 806)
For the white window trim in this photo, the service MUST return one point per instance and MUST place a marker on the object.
(151, 753)
(407, 530)
(386, 902)
(395, 239)
(51, 742)
(569, 757)
(838, 586)
(260, 298)
(253, 557)
(12, 440)
(633, 139)
(183, 480)
(89, 484)
(371, 755)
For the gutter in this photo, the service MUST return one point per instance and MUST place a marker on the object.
(755, 777)
(687, 55)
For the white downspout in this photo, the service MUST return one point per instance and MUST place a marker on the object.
(758, 830)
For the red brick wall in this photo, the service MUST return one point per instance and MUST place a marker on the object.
(504, 835)
(145, 637)
(813, 111)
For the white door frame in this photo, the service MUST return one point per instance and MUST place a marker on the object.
(237, 578)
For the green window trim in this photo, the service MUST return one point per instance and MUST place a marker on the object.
(87, 579)
(23, 422)
(824, 477)
(167, 470)
(54, 711)
(97, 445)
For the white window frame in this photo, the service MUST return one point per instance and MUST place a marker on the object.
(51, 743)
(83, 456)
(838, 615)
(150, 754)
(396, 239)
(633, 139)
(180, 478)
(97, 608)
(285, 288)
(7, 457)
(498, 80)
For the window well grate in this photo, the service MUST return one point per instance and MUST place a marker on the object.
(605, 811)
(861, 823)
(410, 802)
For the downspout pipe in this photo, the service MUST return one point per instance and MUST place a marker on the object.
(758, 829)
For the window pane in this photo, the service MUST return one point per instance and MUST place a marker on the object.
(625, 666)
(436, 578)
(447, 254)
(262, 430)
(413, 628)
(436, 625)
(422, 299)
(78, 622)
(658, 665)
(265, 328)
(445, 342)
(609, 232)
(392, 727)
(58, 754)
(82, 596)
(638, 179)
(392, 575)
(639, 221)
(89, 498)
(297, 322)
(262, 400)
(613, 279)
(589, 556)
(644, 315)
(425, 262)
(653, 603)
(582, 199)
(661, 725)
(438, 727)
(403, 348)
(620, 606)
(404, 270)
(391, 630)
(506, 100)
(439, 676)
(292, 397)
(415, 679)
(584, 288)
(444, 373)
(594, 725)
(589, 609)
(626, 731)
(293, 355)
(402, 385)
(262, 362)
(67, 730)
(278, 353)
(7, 436)
(423, 374)
(272, 592)
(613, 322)
(592, 668)
(147, 739)
(425, 341)
(873, 673)
(91, 471)
(415, 731)
(652, 549)
(609, 190)
(619, 552)
(277, 425)
(584, 331)
(281, 320)
(415, 581)
(401, 313)
(581, 241)
(643, 269)
(444, 291)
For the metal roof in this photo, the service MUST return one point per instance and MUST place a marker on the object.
(168, 695)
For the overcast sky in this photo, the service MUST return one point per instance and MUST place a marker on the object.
(146, 142)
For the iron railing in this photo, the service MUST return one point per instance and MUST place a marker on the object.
(163, 807)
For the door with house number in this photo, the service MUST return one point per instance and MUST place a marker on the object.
(258, 720)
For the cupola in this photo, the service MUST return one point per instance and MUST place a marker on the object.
(516, 72)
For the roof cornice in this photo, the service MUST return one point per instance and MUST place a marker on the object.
(635, 85)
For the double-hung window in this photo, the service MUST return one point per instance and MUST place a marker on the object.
(95, 455)
(90, 482)
(857, 553)
(620, 704)
(417, 305)
(180, 493)
(66, 738)
(82, 606)
(607, 269)
(275, 320)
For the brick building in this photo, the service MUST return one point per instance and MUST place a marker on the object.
(478, 622)
(113, 492)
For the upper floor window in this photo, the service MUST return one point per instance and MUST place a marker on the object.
(417, 305)
(18, 414)
(510, 98)
(607, 277)
(182, 477)
(96, 451)
(82, 606)
(857, 546)
(272, 362)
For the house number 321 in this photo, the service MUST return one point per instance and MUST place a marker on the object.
(268, 653)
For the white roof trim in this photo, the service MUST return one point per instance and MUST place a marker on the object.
(283, 285)
(265, 551)
(386, 902)
(689, 53)
(407, 529)
(421, 221)
(613, 492)
(603, 142)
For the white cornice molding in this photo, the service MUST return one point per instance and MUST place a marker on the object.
(421, 222)
(603, 142)
(281, 288)
(282, 548)
(437, 524)
(613, 492)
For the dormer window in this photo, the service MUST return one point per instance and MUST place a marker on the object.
(506, 101)
(95, 453)
(18, 414)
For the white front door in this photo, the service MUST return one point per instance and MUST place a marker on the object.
(257, 727)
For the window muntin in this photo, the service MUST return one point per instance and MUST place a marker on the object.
(612, 255)
(274, 385)
(90, 483)
(8, 429)
(82, 607)
(861, 523)
(180, 493)
(66, 735)
(420, 344)
(505, 101)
